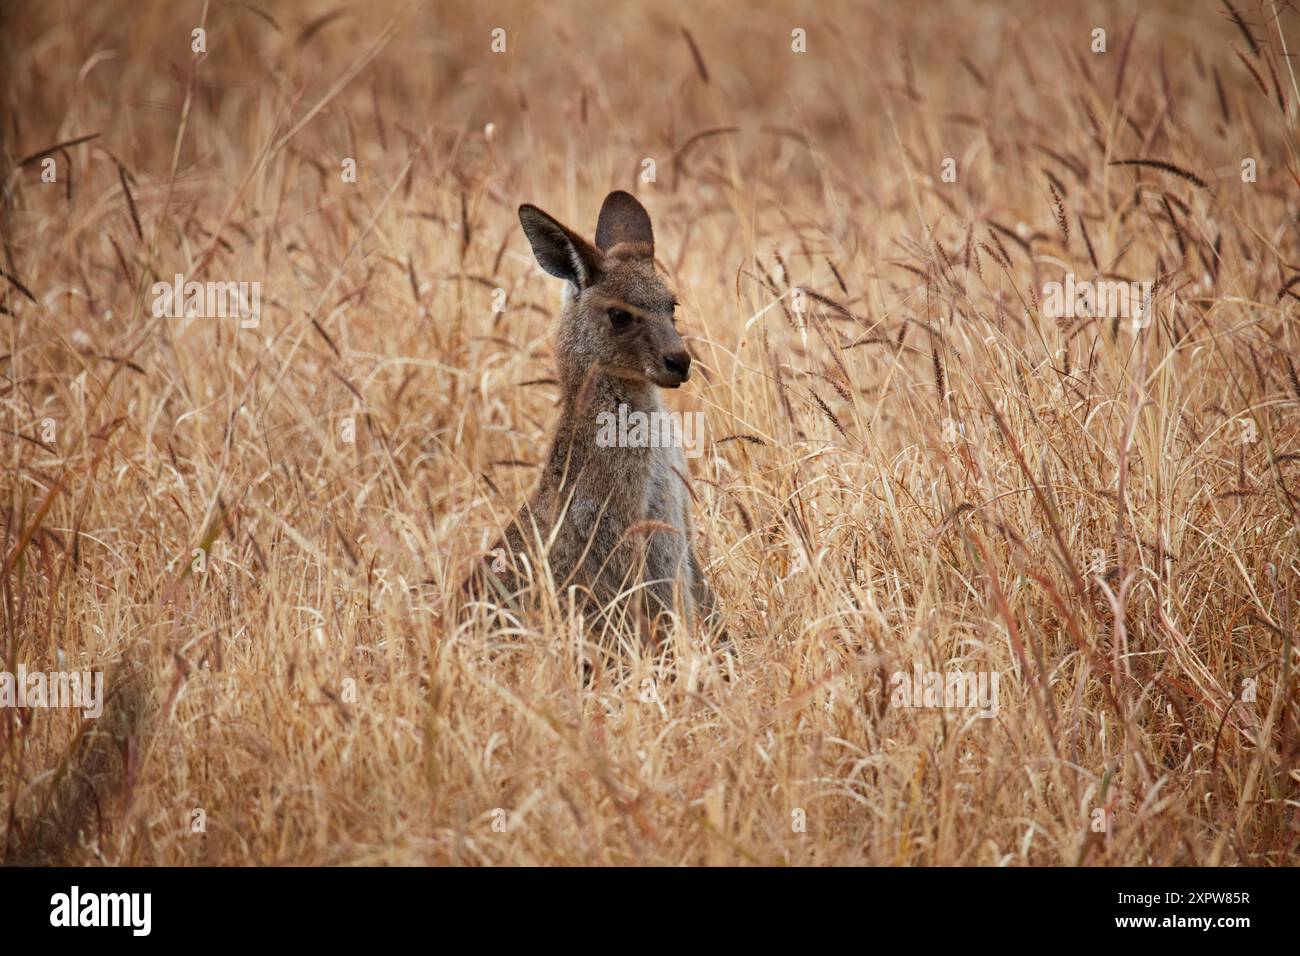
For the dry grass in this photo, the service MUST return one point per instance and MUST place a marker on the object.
(935, 474)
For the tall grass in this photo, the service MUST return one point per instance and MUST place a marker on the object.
(911, 465)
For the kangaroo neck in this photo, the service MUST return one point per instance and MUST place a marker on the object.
(578, 453)
(585, 398)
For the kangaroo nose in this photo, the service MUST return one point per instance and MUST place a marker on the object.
(679, 363)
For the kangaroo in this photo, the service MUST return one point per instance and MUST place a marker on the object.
(615, 521)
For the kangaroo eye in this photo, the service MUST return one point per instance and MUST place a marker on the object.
(619, 318)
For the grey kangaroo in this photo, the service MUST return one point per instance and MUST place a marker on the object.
(614, 521)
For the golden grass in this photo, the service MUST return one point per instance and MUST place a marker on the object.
(937, 474)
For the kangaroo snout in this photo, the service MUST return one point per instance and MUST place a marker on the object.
(679, 364)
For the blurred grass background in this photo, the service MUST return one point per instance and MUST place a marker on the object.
(935, 473)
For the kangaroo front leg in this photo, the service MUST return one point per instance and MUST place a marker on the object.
(708, 612)
(665, 574)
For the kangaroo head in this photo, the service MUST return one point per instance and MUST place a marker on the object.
(618, 314)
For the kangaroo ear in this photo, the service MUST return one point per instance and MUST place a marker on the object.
(559, 250)
(623, 219)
